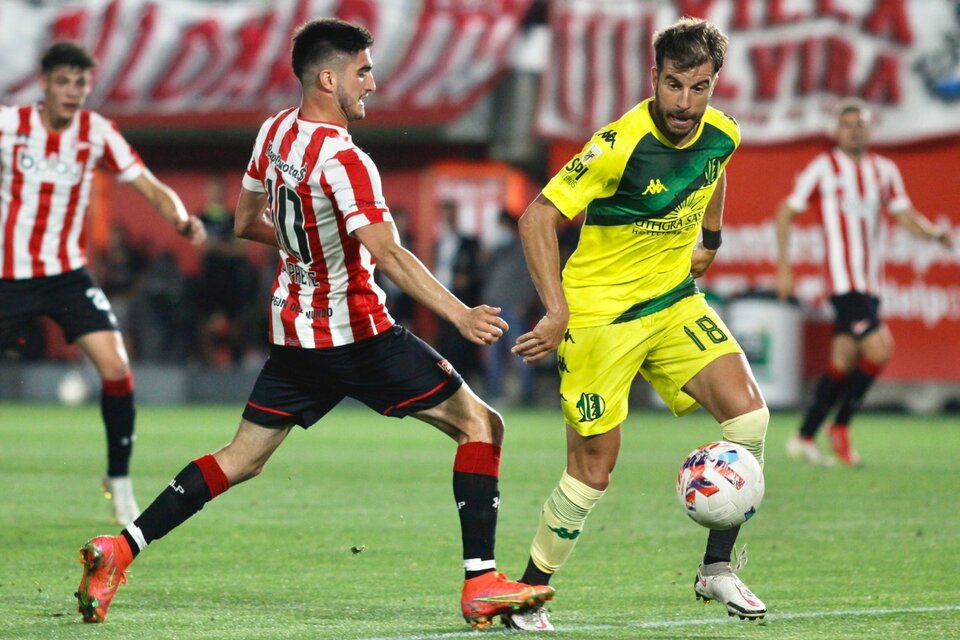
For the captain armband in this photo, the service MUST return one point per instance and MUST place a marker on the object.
(711, 239)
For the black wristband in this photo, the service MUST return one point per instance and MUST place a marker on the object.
(711, 239)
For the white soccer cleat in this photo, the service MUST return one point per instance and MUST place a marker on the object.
(717, 581)
(119, 491)
(806, 449)
(536, 619)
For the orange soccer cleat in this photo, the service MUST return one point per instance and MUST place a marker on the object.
(840, 441)
(492, 594)
(104, 570)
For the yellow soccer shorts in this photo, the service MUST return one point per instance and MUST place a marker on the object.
(668, 348)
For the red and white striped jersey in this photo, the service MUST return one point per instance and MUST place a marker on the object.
(45, 180)
(321, 188)
(850, 197)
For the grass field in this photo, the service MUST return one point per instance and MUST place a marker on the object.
(872, 552)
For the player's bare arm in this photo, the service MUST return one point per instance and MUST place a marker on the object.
(784, 218)
(921, 226)
(251, 219)
(166, 201)
(538, 233)
(481, 324)
(712, 223)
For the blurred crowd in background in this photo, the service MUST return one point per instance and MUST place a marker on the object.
(216, 318)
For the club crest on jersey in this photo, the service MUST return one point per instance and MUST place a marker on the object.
(712, 171)
(590, 155)
(446, 366)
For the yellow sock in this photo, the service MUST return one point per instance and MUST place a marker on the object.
(561, 522)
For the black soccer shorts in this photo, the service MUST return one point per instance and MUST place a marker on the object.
(395, 374)
(71, 299)
(856, 314)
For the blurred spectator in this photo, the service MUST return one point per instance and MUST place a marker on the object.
(119, 270)
(507, 284)
(159, 316)
(225, 286)
(457, 261)
(402, 306)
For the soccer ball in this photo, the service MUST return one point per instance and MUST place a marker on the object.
(72, 390)
(720, 485)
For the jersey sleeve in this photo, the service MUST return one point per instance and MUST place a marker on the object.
(593, 173)
(806, 184)
(354, 182)
(118, 155)
(253, 176)
(892, 190)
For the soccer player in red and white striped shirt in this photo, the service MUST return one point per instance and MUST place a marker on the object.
(849, 187)
(311, 192)
(49, 152)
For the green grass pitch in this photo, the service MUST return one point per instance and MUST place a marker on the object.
(871, 553)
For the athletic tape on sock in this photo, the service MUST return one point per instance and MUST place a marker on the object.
(561, 522)
(748, 430)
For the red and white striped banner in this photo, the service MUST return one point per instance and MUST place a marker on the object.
(788, 63)
(220, 63)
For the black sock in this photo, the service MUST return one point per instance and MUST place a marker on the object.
(478, 500)
(184, 496)
(860, 382)
(829, 388)
(533, 574)
(118, 416)
(720, 545)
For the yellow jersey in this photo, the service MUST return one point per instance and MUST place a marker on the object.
(644, 199)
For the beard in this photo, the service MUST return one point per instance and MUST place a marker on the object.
(689, 120)
(351, 107)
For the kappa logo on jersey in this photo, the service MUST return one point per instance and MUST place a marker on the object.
(590, 406)
(610, 136)
(50, 168)
(655, 187)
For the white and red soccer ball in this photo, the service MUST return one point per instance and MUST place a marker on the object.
(720, 485)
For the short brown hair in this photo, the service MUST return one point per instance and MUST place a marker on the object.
(690, 42)
(66, 54)
(320, 40)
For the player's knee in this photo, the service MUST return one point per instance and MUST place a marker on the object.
(243, 472)
(874, 361)
(748, 430)
(481, 423)
(115, 369)
(119, 385)
(590, 473)
(597, 479)
(492, 425)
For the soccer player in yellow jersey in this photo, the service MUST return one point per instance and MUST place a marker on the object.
(652, 184)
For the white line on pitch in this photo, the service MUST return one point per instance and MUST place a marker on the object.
(691, 622)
